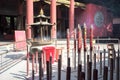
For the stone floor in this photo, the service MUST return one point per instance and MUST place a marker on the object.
(18, 71)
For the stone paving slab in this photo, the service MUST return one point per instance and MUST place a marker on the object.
(18, 71)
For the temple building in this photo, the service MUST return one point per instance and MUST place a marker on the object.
(64, 14)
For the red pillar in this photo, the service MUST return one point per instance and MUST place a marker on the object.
(71, 17)
(29, 17)
(53, 18)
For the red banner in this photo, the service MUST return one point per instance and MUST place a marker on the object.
(99, 17)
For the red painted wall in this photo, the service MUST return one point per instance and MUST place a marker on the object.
(88, 15)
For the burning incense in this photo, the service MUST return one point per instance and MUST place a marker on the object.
(79, 43)
(84, 36)
(68, 45)
(68, 42)
(85, 49)
(91, 37)
(91, 42)
(74, 49)
(79, 38)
